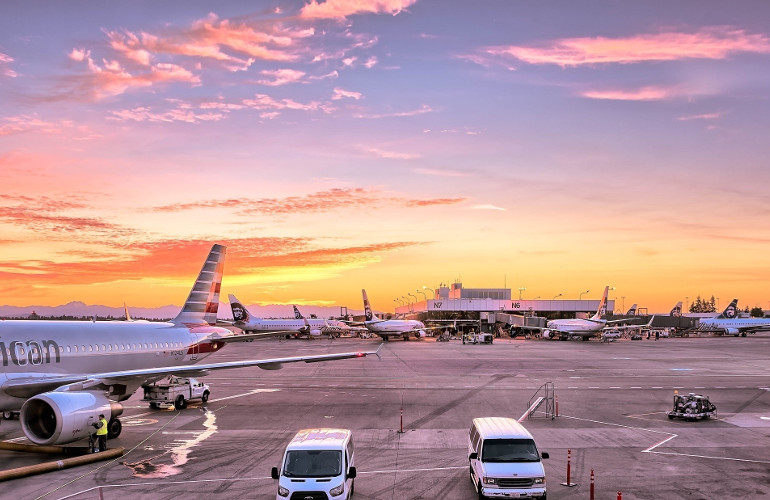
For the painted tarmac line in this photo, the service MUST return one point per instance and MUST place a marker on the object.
(671, 437)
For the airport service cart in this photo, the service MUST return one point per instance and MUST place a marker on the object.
(692, 407)
(175, 391)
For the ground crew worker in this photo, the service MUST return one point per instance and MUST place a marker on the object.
(101, 432)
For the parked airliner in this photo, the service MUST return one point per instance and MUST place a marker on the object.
(731, 324)
(387, 328)
(291, 327)
(583, 328)
(63, 374)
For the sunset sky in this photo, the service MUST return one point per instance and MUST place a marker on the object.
(559, 146)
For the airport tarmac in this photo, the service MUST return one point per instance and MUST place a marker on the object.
(612, 403)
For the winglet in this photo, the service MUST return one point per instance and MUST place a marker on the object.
(202, 303)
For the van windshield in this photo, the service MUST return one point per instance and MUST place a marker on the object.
(313, 463)
(509, 450)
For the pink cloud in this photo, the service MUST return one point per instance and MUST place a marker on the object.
(414, 112)
(642, 94)
(708, 43)
(322, 201)
(705, 116)
(281, 77)
(340, 9)
(341, 94)
(5, 63)
(393, 155)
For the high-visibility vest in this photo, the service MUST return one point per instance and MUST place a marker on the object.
(102, 431)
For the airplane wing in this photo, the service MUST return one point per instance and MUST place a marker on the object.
(626, 327)
(27, 387)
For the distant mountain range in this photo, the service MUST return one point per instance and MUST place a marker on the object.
(80, 309)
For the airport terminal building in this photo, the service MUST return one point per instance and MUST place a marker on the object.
(450, 300)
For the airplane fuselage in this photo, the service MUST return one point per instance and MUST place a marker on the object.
(394, 326)
(736, 326)
(576, 327)
(37, 349)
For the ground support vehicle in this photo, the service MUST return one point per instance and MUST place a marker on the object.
(692, 407)
(177, 391)
(478, 338)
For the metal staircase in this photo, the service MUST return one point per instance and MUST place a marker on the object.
(544, 395)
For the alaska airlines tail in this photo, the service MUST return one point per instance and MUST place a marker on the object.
(202, 303)
(632, 311)
(240, 313)
(368, 314)
(677, 310)
(602, 305)
(297, 314)
(731, 311)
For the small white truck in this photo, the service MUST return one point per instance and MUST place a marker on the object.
(175, 391)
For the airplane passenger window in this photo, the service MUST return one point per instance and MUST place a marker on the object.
(90, 348)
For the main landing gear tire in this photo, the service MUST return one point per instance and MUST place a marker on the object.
(180, 403)
(114, 428)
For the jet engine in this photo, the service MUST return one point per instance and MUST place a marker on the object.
(54, 418)
(419, 334)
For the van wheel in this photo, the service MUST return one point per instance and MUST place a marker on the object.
(205, 396)
(180, 403)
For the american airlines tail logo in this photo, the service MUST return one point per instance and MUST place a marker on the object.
(30, 352)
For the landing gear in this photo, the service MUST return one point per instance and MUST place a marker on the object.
(114, 428)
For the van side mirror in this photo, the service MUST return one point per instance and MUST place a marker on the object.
(274, 472)
(352, 473)
(545, 455)
(473, 456)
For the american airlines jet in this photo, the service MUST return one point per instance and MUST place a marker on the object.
(63, 374)
(731, 324)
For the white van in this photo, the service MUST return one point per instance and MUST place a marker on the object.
(504, 460)
(318, 464)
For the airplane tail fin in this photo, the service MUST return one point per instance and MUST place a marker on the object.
(125, 308)
(730, 311)
(602, 310)
(240, 313)
(368, 314)
(297, 314)
(677, 310)
(202, 303)
(632, 311)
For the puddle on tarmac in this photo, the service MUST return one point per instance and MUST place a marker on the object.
(180, 449)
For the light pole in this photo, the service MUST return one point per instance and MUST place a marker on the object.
(521, 289)
(623, 306)
(415, 299)
(556, 296)
(717, 304)
(686, 303)
(432, 291)
(423, 294)
(583, 293)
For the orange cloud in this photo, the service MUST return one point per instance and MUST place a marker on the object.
(708, 43)
(176, 260)
(47, 215)
(340, 9)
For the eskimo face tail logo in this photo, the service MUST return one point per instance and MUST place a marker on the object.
(367, 311)
(297, 315)
(730, 311)
(238, 312)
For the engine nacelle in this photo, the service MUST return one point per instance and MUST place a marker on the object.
(732, 331)
(420, 334)
(63, 417)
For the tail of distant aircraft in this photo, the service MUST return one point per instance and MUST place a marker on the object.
(731, 311)
(632, 311)
(602, 305)
(368, 314)
(297, 314)
(677, 310)
(240, 313)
